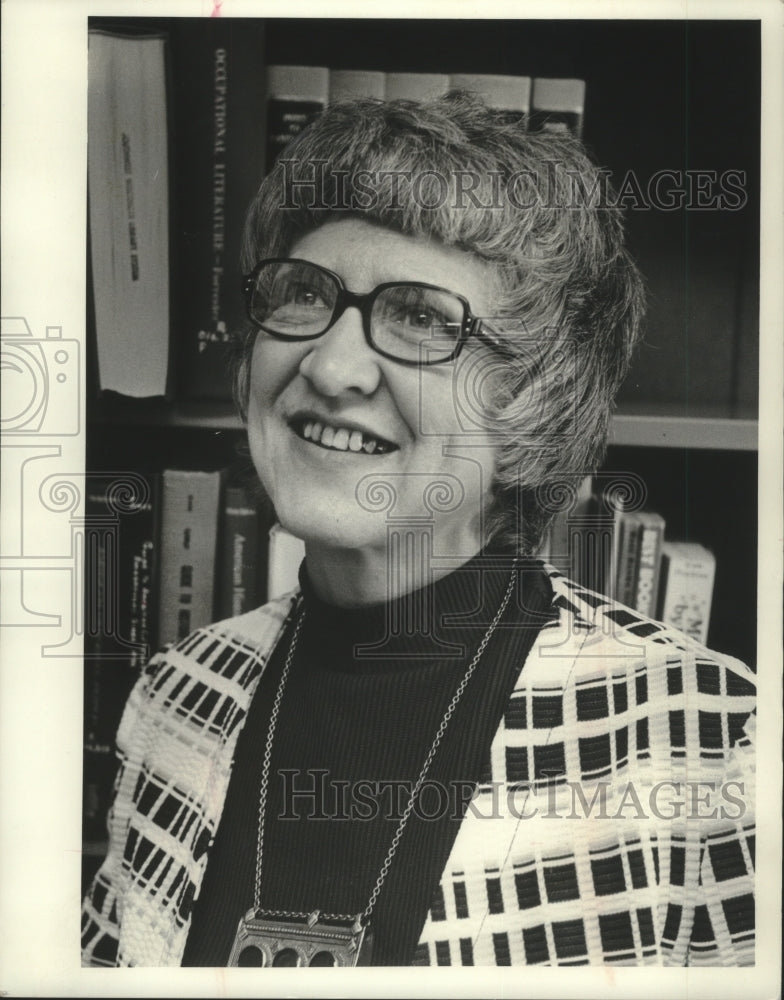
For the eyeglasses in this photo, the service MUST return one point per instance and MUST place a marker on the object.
(407, 321)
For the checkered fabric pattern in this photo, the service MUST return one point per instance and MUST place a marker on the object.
(613, 822)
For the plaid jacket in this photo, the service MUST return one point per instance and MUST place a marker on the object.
(614, 823)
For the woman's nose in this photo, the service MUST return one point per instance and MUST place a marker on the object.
(341, 361)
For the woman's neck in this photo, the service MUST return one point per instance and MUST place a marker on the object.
(353, 578)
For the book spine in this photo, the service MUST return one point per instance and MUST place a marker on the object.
(120, 581)
(295, 95)
(508, 94)
(128, 201)
(239, 541)
(628, 546)
(557, 105)
(590, 537)
(189, 535)
(686, 589)
(415, 86)
(651, 537)
(345, 84)
(218, 127)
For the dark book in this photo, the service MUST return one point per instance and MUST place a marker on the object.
(122, 512)
(557, 105)
(218, 128)
(128, 204)
(628, 537)
(295, 95)
(591, 534)
(190, 509)
(238, 587)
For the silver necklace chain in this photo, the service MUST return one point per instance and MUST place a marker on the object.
(365, 915)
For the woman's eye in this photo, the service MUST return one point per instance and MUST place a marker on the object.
(307, 296)
(424, 320)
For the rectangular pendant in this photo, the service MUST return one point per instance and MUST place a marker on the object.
(271, 943)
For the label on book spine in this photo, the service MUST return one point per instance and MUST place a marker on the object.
(218, 115)
(651, 536)
(189, 534)
(295, 95)
(687, 574)
(239, 544)
(128, 195)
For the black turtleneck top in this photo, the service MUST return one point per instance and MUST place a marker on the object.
(366, 693)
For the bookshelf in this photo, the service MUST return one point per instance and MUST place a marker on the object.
(671, 99)
(703, 428)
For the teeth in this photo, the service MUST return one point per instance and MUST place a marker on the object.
(341, 438)
(340, 441)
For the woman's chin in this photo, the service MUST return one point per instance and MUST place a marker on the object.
(332, 529)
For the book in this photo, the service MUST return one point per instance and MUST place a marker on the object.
(285, 554)
(190, 505)
(416, 86)
(510, 94)
(218, 106)
(345, 84)
(557, 105)
(121, 536)
(295, 95)
(688, 571)
(562, 539)
(627, 549)
(591, 529)
(651, 538)
(240, 529)
(128, 206)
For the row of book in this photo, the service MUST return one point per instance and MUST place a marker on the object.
(165, 552)
(626, 555)
(295, 93)
(170, 551)
(182, 126)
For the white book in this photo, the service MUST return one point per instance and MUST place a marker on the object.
(345, 84)
(416, 86)
(687, 575)
(284, 558)
(128, 185)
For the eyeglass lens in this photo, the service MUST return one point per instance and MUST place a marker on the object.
(297, 300)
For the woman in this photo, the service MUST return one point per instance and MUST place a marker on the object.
(380, 767)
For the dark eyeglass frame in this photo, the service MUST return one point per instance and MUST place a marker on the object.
(470, 326)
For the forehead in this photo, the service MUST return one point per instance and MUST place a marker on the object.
(366, 255)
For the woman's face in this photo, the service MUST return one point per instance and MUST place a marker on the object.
(338, 490)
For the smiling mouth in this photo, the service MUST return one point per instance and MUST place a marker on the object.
(337, 438)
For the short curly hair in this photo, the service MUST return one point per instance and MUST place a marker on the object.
(538, 211)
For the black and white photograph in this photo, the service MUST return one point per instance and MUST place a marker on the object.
(392, 500)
